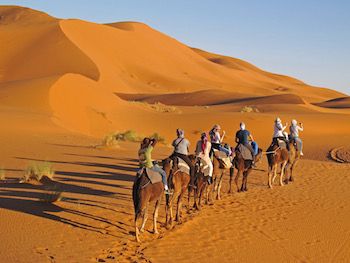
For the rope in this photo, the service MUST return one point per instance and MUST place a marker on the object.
(271, 152)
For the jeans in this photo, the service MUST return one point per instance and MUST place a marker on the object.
(156, 168)
(255, 148)
(299, 143)
(221, 148)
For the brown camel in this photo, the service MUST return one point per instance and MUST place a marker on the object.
(218, 174)
(244, 167)
(143, 192)
(294, 157)
(178, 181)
(202, 186)
(276, 156)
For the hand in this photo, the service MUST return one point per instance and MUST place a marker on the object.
(223, 132)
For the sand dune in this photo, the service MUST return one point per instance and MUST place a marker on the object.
(338, 103)
(111, 59)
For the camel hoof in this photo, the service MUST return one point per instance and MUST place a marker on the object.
(142, 230)
(155, 232)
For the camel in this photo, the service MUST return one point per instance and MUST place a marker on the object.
(244, 167)
(276, 156)
(294, 157)
(202, 186)
(143, 192)
(218, 174)
(179, 182)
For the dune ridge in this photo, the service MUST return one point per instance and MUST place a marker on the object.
(83, 64)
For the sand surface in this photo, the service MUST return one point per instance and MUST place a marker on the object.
(65, 84)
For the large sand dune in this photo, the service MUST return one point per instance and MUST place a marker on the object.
(86, 63)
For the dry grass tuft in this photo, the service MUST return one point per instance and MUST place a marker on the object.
(37, 171)
(249, 109)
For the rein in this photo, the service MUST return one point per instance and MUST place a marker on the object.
(271, 152)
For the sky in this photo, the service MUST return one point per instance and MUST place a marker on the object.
(306, 39)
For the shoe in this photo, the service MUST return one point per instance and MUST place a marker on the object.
(167, 192)
(301, 154)
(210, 180)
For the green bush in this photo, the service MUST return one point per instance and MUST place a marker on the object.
(37, 170)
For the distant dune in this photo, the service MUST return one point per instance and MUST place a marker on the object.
(71, 70)
(338, 103)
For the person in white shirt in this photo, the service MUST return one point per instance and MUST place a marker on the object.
(216, 139)
(294, 135)
(279, 133)
(203, 148)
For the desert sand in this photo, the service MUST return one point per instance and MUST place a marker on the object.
(65, 84)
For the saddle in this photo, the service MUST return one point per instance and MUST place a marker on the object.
(224, 160)
(182, 166)
(152, 176)
(282, 144)
(244, 152)
(204, 167)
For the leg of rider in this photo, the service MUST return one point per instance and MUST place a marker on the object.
(163, 174)
(225, 150)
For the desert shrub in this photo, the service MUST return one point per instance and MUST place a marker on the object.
(2, 174)
(129, 136)
(249, 109)
(38, 170)
(159, 138)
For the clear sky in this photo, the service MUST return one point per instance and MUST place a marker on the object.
(307, 39)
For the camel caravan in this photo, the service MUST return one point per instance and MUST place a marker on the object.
(201, 174)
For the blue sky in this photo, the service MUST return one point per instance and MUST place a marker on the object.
(307, 39)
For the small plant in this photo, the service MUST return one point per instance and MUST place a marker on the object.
(2, 174)
(249, 109)
(38, 170)
(110, 141)
(159, 138)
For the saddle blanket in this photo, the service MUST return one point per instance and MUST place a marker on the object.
(245, 152)
(204, 167)
(282, 144)
(183, 166)
(152, 175)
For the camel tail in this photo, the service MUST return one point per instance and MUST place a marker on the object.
(136, 195)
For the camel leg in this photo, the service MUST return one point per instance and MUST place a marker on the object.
(270, 170)
(231, 176)
(282, 173)
(200, 198)
(274, 173)
(218, 196)
(155, 216)
(195, 205)
(239, 172)
(145, 216)
(178, 210)
(137, 232)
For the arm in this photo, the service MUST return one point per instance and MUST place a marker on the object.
(153, 142)
(301, 127)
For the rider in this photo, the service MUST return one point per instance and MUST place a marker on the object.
(181, 148)
(145, 160)
(216, 139)
(294, 135)
(279, 133)
(203, 150)
(243, 136)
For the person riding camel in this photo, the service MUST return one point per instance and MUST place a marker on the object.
(203, 148)
(279, 133)
(145, 160)
(181, 149)
(243, 136)
(216, 139)
(294, 135)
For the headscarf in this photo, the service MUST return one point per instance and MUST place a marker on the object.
(242, 126)
(180, 133)
(294, 123)
(278, 120)
(204, 139)
(145, 143)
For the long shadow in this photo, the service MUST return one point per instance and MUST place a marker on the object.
(44, 210)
